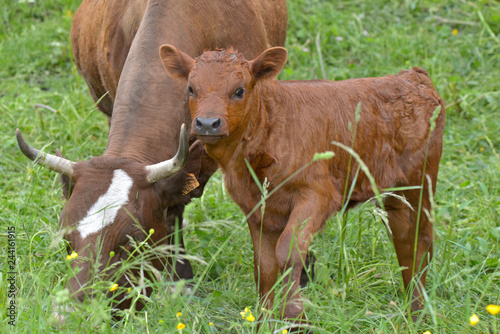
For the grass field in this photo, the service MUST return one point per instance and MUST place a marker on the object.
(458, 42)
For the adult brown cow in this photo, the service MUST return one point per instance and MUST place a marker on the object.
(116, 49)
(241, 112)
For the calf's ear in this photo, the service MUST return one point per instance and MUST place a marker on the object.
(176, 63)
(269, 64)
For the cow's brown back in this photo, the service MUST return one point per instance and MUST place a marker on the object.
(103, 31)
(101, 35)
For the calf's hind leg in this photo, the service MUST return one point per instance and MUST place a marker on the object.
(405, 228)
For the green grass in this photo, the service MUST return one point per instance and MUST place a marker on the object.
(332, 39)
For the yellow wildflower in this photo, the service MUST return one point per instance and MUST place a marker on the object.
(426, 332)
(493, 309)
(285, 331)
(251, 317)
(211, 323)
(454, 32)
(245, 312)
(113, 287)
(180, 326)
(73, 255)
(160, 321)
(178, 314)
(481, 149)
(129, 290)
(474, 320)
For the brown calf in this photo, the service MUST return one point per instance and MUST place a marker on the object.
(240, 111)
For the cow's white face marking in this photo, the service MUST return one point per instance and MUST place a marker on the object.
(104, 211)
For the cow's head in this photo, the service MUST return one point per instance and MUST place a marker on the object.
(115, 203)
(220, 85)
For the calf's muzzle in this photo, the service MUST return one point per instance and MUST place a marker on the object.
(207, 126)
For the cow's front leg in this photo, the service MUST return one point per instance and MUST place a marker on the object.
(265, 265)
(182, 268)
(291, 250)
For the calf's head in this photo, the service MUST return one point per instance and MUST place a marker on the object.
(221, 87)
(113, 203)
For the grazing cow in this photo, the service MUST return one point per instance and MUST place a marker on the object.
(241, 112)
(115, 44)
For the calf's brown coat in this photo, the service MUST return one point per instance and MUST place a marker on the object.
(240, 111)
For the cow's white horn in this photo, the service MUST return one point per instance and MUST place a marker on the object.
(169, 167)
(52, 162)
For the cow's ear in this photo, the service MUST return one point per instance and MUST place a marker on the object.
(269, 64)
(176, 63)
(67, 183)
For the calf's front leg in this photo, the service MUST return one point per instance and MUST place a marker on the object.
(306, 219)
(265, 265)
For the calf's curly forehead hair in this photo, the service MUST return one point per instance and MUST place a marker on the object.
(229, 55)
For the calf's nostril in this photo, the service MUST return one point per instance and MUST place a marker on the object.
(216, 124)
(198, 123)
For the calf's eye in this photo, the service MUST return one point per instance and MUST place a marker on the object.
(191, 91)
(238, 94)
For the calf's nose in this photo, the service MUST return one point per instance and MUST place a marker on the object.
(207, 126)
